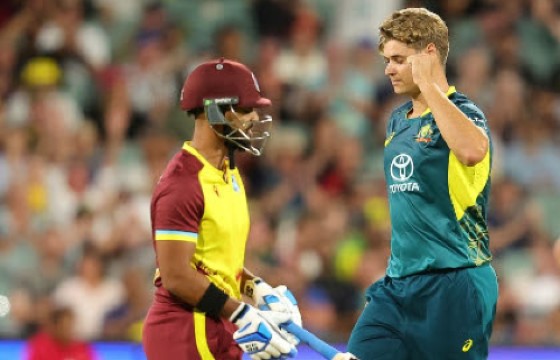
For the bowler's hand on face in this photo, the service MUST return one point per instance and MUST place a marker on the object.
(423, 65)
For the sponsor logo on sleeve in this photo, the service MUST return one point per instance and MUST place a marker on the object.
(479, 122)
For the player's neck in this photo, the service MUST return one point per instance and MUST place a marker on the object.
(215, 154)
(209, 145)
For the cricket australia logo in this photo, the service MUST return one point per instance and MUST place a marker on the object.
(402, 168)
(425, 134)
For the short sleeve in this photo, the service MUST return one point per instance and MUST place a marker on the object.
(178, 211)
(475, 115)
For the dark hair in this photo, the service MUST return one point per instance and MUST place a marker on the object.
(196, 112)
(59, 312)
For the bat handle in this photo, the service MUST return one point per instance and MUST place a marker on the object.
(313, 341)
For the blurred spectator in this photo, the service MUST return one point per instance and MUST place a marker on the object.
(349, 88)
(540, 41)
(90, 295)
(150, 84)
(301, 65)
(200, 19)
(514, 220)
(538, 294)
(41, 78)
(530, 158)
(56, 341)
(8, 59)
(261, 240)
(286, 181)
(51, 247)
(510, 85)
(356, 19)
(124, 322)
(274, 18)
(17, 260)
(68, 31)
(340, 176)
(80, 46)
(229, 42)
(473, 71)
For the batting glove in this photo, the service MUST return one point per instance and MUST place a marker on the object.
(279, 299)
(259, 333)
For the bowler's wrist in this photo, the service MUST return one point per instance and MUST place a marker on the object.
(427, 86)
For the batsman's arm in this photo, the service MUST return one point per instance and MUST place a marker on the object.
(258, 335)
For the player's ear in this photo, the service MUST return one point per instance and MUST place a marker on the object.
(431, 49)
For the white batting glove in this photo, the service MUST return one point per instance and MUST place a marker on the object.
(345, 356)
(279, 299)
(259, 333)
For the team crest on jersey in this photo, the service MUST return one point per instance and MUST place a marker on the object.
(425, 134)
(234, 183)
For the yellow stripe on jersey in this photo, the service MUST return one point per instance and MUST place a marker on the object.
(466, 182)
(175, 235)
(389, 138)
(200, 336)
(449, 92)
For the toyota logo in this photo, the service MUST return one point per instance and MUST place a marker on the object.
(402, 167)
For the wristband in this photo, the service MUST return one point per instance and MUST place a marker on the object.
(213, 301)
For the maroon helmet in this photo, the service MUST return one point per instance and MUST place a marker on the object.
(220, 87)
(222, 78)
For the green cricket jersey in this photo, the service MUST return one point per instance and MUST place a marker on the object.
(438, 205)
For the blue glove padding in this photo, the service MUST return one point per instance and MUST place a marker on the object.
(259, 333)
(279, 299)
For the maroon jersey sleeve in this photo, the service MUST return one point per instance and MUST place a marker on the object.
(178, 203)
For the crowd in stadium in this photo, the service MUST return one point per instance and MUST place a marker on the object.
(89, 117)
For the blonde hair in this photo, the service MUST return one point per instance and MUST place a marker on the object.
(416, 27)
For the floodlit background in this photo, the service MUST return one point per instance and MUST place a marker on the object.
(89, 117)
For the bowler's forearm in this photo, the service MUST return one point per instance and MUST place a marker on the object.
(468, 142)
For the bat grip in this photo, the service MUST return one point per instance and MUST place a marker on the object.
(310, 339)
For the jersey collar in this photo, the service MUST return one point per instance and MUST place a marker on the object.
(449, 92)
(188, 148)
